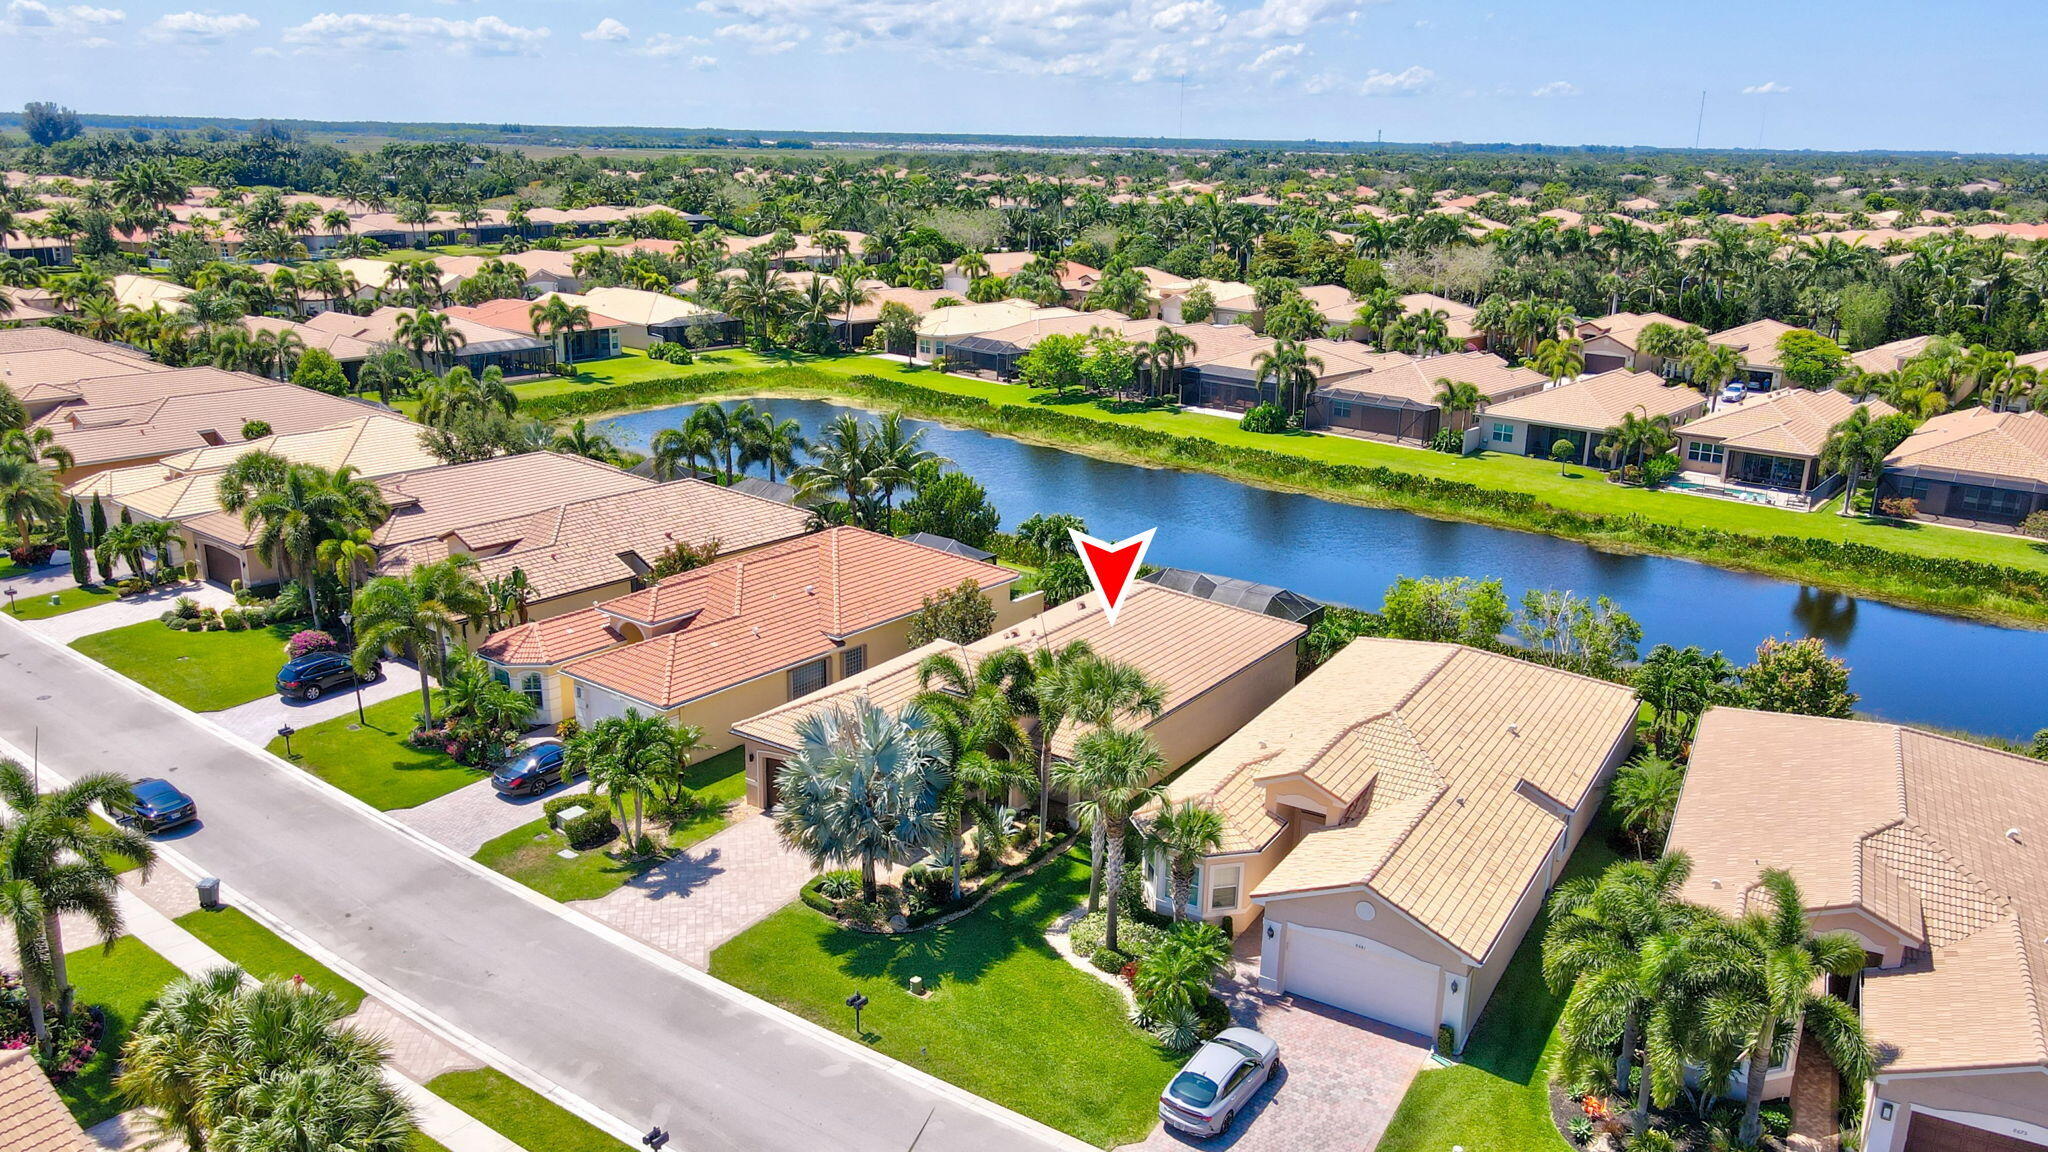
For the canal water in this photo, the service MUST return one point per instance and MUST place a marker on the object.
(1909, 666)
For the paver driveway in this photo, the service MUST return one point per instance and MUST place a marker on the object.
(1339, 1080)
(709, 893)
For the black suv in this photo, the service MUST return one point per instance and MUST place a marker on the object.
(532, 772)
(158, 805)
(316, 673)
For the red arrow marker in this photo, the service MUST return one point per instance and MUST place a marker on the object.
(1111, 567)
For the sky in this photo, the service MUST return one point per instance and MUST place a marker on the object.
(1827, 74)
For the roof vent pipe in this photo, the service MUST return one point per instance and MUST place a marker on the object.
(2013, 834)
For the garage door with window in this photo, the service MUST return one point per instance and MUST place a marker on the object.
(222, 566)
(1934, 1134)
(1362, 976)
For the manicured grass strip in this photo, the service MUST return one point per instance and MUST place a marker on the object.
(528, 853)
(421, 1142)
(629, 367)
(1007, 1019)
(372, 762)
(122, 983)
(204, 671)
(264, 954)
(69, 600)
(121, 863)
(518, 1113)
(1498, 1099)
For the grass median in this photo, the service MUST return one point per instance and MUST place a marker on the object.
(204, 671)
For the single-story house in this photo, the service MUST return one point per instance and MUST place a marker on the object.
(1457, 317)
(716, 644)
(1774, 440)
(938, 329)
(39, 364)
(1976, 467)
(1581, 411)
(1218, 665)
(483, 346)
(1398, 402)
(1223, 371)
(143, 293)
(1925, 849)
(996, 352)
(851, 328)
(1615, 341)
(1397, 820)
(348, 351)
(439, 503)
(1075, 279)
(648, 318)
(601, 339)
(1757, 343)
(586, 551)
(805, 251)
(1892, 356)
(1234, 302)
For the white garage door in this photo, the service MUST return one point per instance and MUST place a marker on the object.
(1361, 977)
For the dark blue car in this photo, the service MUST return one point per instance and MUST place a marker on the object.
(533, 771)
(317, 673)
(158, 805)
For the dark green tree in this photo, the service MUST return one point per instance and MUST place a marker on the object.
(74, 543)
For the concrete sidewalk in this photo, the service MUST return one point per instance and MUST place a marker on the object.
(124, 611)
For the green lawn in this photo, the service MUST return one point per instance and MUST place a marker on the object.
(1008, 1018)
(204, 671)
(1498, 1099)
(372, 762)
(122, 983)
(629, 367)
(528, 853)
(518, 1113)
(263, 953)
(69, 600)
(121, 863)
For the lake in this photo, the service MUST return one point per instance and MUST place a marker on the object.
(1909, 666)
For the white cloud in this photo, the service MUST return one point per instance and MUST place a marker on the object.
(201, 27)
(1406, 82)
(767, 39)
(399, 31)
(668, 44)
(1275, 56)
(1190, 16)
(703, 63)
(1767, 88)
(32, 17)
(609, 30)
(1298, 17)
(1555, 88)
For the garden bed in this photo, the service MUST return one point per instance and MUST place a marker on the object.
(924, 899)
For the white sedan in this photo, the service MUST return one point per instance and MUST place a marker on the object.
(1219, 1081)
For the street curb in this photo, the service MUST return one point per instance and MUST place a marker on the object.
(844, 1045)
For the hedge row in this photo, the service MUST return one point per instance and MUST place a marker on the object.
(1935, 580)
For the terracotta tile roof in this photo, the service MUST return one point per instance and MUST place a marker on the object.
(555, 640)
(1890, 357)
(46, 371)
(1626, 328)
(1415, 380)
(146, 292)
(1938, 838)
(583, 544)
(635, 306)
(1787, 422)
(974, 319)
(32, 1117)
(1449, 765)
(1756, 340)
(1061, 321)
(1597, 403)
(1187, 644)
(771, 609)
(432, 502)
(133, 383)
(1979, 442)
(344, 347)
(139, 429)
(515, 316)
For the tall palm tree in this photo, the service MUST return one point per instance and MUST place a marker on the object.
(631, 755)
(1185, 833)
(1164, 358)
(1560, 360)
(841, 465)
(1636, 438)
(1854, 446)
(896, 454)
(1098, 693)
(1114, 771)
(848, 292)
(674, 449)
(985, 744)
(1032, 680)
(416, 612)
(1459, 399)
(560, 320)
(1765, 981)
(306, 507)
(1711, 366)
(28, 492)
(37, 446)
(348, 556)
(1291, 369)
(422, 329)
(776, 443)
(579, 440)
(863, 785)
(1601, 929)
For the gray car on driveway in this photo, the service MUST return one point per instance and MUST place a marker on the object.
(1218, 1081)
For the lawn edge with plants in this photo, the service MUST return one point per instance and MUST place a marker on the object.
(1938, 573)
(263, 954)
(140, 973)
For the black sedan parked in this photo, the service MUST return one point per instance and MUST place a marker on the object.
(158, 805)
(316, 673)
(532, 772)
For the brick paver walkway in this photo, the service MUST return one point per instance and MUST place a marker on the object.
(1816, 1101)
(473, 814)
(1339, 1079)
(414, 1051)
(708, 894)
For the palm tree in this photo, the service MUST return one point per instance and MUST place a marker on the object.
(850, 295)
(415, 612)
(1291, 369)
(560, 320)
(422, 329)
(1164, 358)
(579, 440)
(28, 492)
(307, 507)
(1637, 438)
(1185, 833)
(1646, 797)
(37, 446)
(1601, 932)
(776, 443)
(863, 785)
(27, 916)
(1678, 684)
(631, 755)
(1032, 682)
(1458, 398)
(347, 555)
(985, 744)
(1114, 770)
(1560, 360)
(684, 446)
(1854, 445)
(1711, 366)
(895, 457)
(1099, 692)
(1768, 971)
(840, 464)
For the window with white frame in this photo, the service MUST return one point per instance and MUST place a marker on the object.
(1503, 433)
(1224, 880)
(1705, 452)
(530, 685)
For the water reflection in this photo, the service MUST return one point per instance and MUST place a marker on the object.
(1908, 665)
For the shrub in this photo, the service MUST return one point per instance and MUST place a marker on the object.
(1446, 1040)
(308, 641)
(933, 885)
(1653, 1140)
(1580, 1129)
(568, 729)
(1659, 470)
(671, 352)
(2036, 525)
(590, 830)
(557, 804)
(1448, 440)
(234, 621)
(1899, 507)
(33, 555)
(815, 899)
(1263, 418)
(1109, 960)
(843, 884)
(186, 608)
(1136, 938)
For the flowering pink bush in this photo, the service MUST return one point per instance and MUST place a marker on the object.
(310, 640)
